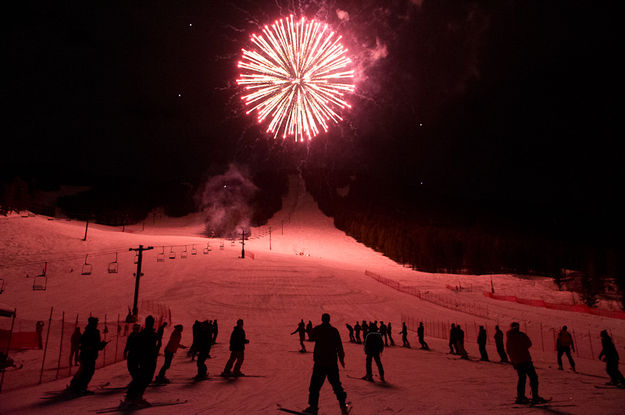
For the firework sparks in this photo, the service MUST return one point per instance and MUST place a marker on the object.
(297, 77)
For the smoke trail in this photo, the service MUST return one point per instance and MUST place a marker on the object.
(225, 203)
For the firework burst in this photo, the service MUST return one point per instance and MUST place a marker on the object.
(296, 77)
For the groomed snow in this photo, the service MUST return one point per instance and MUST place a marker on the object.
(312, 268)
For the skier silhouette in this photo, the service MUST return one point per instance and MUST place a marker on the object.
(518, 345)
(404, 335)
(460, 343)
(611, 358)
(420, 335)
(499, 343)
(74, 347)
(131, 352)
(357, 330)
(390, 337)
(301, 329)
(384, 332)
(374, 345)
(350, 329)
(328, 348)
(170, 350)
(147, 353)
(90, 346)
(452, 339)
(237, 350)
(204, 341)
(564, 344)
(481, 342)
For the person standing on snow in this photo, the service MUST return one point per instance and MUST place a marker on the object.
(131, 352)
(611, 358)
(74, 347)
(452, 339)
(237, 350)
(481, 342)
(350, 329)
(301, 329)
(384, 332)
(147, 352)
(170, 350)
(204, 341)
(460, 343)
(404, 335)
(421, 335)
(518, 345)
(328, 348)
(374, 345)
(90, 346)
(357, 329)
(390, 337)
(499, 344)
(564, 344)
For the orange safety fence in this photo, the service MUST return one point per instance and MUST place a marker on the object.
(578, 308)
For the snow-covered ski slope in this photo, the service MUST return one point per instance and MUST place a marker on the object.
(312, 268)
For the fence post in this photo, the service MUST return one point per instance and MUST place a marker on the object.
(69, 369)
(106, 330)
(575, 339)
(45, 349)
(118, 328)
(58, 367)
(542, 338)
(592, 353)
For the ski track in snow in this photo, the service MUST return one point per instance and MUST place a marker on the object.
(271, 293)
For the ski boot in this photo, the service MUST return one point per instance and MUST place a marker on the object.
(522, 400)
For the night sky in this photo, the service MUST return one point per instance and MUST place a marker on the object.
(509, 102)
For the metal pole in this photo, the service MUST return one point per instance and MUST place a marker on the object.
(58, 367)
(135, 309)
(45, 349)
(86, 228)
(270, 238)
(243, 244)
(118, 328)
(69, 369)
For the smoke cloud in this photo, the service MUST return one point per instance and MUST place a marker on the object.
(225, 203)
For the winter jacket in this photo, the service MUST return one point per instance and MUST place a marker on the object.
(328, 345)
(564, 339)
(481, 337)
(147, 346)
(90, 343)
(517, 346)
(420, 331)
(374, 343)
(238, 340)
(174, 342)
(609, 351)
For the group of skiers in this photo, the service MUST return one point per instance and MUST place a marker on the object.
(143, 346)
(384, 330)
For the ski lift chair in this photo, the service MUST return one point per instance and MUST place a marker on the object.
(232, 243)
(207, 249)
(184, 254)
(193, 250)
(86, 267)
(221, 245)
(40, 283)
(172, 253)
(136, 260)
(114, 266)
(161, 257)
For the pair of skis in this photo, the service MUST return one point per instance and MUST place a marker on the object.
(293, 411)
(128, 408)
